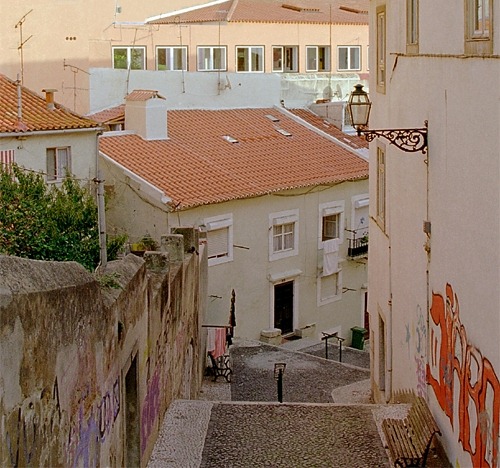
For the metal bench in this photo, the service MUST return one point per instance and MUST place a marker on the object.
(220, 367)
(409, 440)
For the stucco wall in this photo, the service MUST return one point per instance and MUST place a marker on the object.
(439, 291)
(31, 151)
(67, 346)
(251, 274)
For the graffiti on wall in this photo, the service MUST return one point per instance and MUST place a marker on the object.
(91, 425)
(416, 343)
(150, 408)
(464, 382)
(33, 431)
(421, 352)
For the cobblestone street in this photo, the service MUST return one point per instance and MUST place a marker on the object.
(325, 420)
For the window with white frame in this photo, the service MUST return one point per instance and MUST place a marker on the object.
(331, 222)
(286, 59)
(58, 163)
(412, 26)
(381, 49)
(349, 58)
(317, 58)
(219, 239)
(211, 58)
(129, 57)
(329, 288)
(250, 59)
(479, 19)
(7, 159)
(171, 58)
(283, 234)
(381, 188)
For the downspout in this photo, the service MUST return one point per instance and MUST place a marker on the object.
(101, 210)
(388, 339)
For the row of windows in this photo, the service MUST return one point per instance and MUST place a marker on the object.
(283, 242)
(248, 58)
(58, 162)
(478, 28)
(283, 232)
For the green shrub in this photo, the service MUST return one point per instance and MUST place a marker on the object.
(49, 222)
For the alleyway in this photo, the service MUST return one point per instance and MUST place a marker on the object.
(325, 420)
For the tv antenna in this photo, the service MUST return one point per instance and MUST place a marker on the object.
(75, 71)
(19, 25)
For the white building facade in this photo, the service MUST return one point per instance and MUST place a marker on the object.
(435, 218)
(270, 194)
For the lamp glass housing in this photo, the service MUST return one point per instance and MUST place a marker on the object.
(359, 106)
(279, 367)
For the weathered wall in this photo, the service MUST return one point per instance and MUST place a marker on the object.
(79, 361)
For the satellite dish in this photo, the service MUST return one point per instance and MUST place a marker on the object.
(338, 92)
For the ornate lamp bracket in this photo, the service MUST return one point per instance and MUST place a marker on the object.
(410, 140)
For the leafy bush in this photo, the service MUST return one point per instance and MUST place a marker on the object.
(49, 222)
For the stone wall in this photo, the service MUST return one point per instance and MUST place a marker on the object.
(87, 371)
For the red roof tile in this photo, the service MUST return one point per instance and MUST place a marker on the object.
(109, 115)
(143, 95)
(198, 166)
(35, 115)
(274, 11)
(310, 117)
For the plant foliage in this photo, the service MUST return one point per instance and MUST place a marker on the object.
(49, 222)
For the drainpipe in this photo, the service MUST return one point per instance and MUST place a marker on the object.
(388, 339)
(101, 212)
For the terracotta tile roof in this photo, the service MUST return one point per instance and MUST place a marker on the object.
(35, 115)
(143, 95)
(273, 11)
(109, 115)
(354, 141)
(198, 166)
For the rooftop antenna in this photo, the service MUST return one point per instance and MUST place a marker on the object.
(220, 12)
(178, 21)
(19, 25)
(75, 71)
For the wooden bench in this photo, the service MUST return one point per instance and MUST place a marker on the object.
(220, 367)
(409, 439)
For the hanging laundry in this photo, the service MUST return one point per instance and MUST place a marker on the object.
(220, 342)
(331, 256)
(210, 340)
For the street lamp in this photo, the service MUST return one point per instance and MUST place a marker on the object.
(279, 370)
(407, 139)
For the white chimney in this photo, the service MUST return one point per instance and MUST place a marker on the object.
(146, 114)
(49, 98)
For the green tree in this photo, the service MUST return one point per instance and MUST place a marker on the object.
(49, 222)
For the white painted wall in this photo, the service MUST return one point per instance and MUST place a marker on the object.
(250, 273)
(458, 192)
(31, 151)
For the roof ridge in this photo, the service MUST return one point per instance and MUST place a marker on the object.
(185, 10)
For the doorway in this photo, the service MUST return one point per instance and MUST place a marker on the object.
(132, 434)
(283, 307)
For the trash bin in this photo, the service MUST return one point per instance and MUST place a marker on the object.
(358, 337)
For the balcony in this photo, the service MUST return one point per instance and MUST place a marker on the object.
(358, 243)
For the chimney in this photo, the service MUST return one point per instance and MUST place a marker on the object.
(49, 98)
(146, 114)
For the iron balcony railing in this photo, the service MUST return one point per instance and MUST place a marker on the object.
(358, 243)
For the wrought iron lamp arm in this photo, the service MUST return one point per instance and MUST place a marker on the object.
(407, 139)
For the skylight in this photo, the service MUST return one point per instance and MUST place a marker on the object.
(230, 139)
(284, 132)
(272, 118)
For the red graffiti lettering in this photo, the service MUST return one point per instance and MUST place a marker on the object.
(477, 397)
